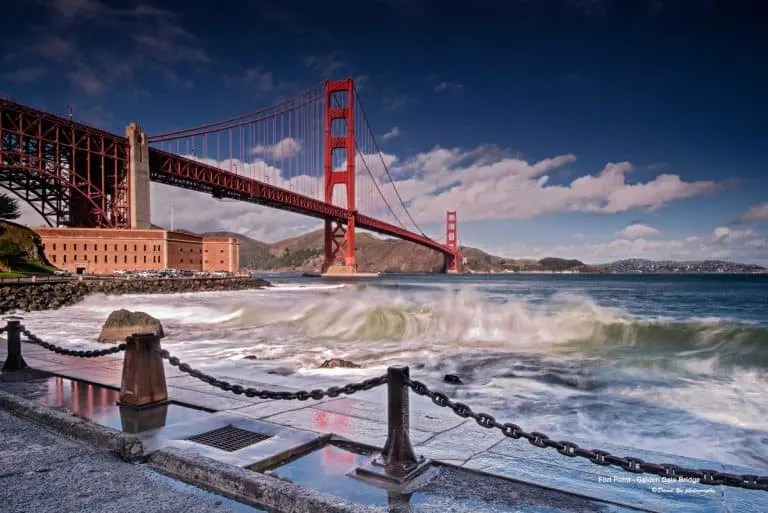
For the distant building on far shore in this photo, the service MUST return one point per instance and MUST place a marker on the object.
(106, 250)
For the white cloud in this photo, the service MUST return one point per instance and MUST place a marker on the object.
(285, 148)
(258, 222)
(756, 213)
(264, 80)
(326, 65)
(396, 101)
(725, 234)
(155, 40)
(486, 183)
(361, 81)
(26, 74)
(395, 132)
(72, 9)
(173, 79)
(448, 86)
(638, 230)
(53, 46)
(84, 78)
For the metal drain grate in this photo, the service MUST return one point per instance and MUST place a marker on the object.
(229, 438)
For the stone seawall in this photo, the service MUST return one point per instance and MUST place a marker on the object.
(48, 296)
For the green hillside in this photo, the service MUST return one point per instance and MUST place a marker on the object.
(21, 251)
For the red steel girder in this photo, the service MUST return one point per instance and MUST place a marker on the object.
(89, 164)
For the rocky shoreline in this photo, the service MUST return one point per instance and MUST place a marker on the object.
(51, 296)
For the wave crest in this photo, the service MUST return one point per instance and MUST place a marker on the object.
(567, 323)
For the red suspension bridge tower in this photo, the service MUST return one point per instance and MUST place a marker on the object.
(340, 112)
(339, 140)
(452, 263)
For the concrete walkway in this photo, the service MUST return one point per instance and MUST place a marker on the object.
(45, 472)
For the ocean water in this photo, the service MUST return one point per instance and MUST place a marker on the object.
(673, 363)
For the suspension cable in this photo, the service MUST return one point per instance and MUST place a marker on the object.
(386, 168)
(373, 178)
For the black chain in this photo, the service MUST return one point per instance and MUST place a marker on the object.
(301, 395)
(34, 339)
(596, 456)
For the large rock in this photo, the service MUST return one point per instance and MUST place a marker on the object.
(337, 363)
(123, 323)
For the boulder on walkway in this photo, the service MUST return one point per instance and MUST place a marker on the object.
(122, 323)
(338, 363)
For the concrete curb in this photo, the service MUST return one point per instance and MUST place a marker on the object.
(127, 446)
(249, 486)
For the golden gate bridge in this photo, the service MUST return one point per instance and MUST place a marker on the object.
(313, 153)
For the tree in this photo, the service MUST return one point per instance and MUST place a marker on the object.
(9, 208)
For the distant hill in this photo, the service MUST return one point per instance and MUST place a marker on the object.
(641, 265)
(304, 253)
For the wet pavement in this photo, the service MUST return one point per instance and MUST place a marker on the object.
(292, 428)
(43, 472)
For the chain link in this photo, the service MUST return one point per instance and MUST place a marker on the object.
(596, 456)
(91, 353)
(301, 395)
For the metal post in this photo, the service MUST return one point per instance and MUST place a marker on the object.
(143, 382)
(397, 468)
(398, 453)
(14, 361)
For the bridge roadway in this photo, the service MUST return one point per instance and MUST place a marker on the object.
(183, 172)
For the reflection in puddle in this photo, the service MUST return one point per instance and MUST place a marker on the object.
(99, 404)
(457, 490)
(325, 470)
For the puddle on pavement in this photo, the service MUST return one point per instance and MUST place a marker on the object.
(457, 490)
(99, 404)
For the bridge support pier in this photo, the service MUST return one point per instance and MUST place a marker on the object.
(450, 265)
(138, 181)
(340, 261)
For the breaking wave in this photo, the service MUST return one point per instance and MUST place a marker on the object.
(567, 324)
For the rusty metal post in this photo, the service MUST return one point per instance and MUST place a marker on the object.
(398, 452)
(397, 468)
(14, 361)
(143, 382)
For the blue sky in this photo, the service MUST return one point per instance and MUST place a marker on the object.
(592, 129)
